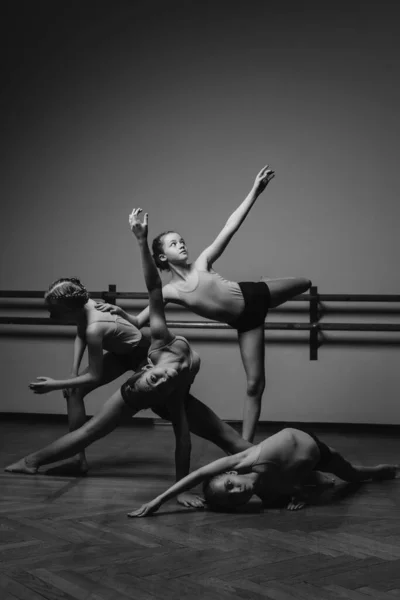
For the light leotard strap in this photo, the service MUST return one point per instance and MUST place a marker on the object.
(258, 463)
(174, 339)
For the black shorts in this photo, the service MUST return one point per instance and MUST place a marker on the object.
(324, 452)
(145, 400)
(134, 360)
(257, 300)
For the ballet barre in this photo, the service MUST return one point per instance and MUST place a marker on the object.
(314, 325)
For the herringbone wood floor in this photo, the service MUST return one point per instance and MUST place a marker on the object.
(69, 538)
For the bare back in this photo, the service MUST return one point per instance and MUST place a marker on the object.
(284, 458)
(119, 336)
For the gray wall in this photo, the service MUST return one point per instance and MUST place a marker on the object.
(174, 107)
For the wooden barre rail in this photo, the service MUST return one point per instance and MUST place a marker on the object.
(112, 293)
(215, 325)
(314, 326)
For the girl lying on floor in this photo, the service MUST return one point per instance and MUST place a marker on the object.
(287, 464)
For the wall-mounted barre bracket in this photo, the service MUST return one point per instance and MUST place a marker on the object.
(111, 295)
(314, 322)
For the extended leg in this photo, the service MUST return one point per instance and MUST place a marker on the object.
(112, 369)
(207, 425)
(344, 469)
(252, 351)
(286, 288)
(76, 418)
(75, 441)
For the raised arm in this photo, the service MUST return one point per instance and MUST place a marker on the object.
(227, 463)
(176, 407)
(143, 317)
(214, 251)
(177, 410)
(158, 326)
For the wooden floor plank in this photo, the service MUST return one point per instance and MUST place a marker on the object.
(65, 538)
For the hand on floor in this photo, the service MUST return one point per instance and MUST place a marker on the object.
(146, 509)
(190, 500)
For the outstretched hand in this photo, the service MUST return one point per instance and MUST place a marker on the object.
(139, 228)
(146, 509)
(42, 385)
(263, 178)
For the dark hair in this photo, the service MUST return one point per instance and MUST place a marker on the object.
(67, 291)
(138, 399)
(129, 387)
(157, 248)
(214, 501)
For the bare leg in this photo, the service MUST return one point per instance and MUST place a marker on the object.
(76, 418)
(75, 441)
(207, 425)
(318, 480)
(286, 288)
(252, 350)
(113, 368)
(344, 469)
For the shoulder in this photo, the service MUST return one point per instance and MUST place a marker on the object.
(202, 261)
(161, 344)
(248, 458)
(96, 331)
(169, 292)
(183, 346)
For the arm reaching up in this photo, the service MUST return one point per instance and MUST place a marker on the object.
(158, 326)
(214, 251)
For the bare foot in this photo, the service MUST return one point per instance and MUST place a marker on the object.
(323, 481)
(318, 481)
(386, 472)
(296, 503)
(22, 466)
(74, 468)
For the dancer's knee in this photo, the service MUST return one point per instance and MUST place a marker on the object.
(255, 387)
(76, 395)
